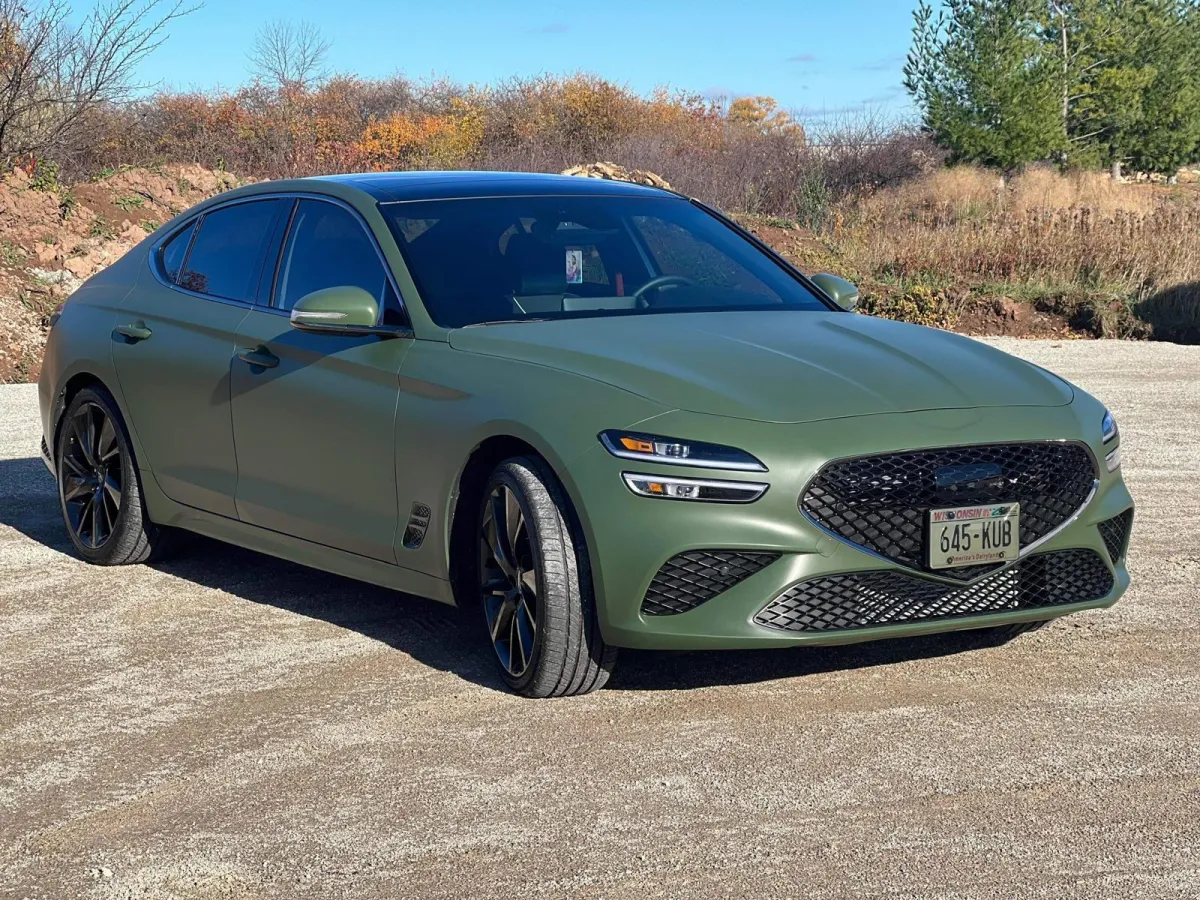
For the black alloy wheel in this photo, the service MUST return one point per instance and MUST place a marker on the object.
(535, 585)
(92, 475)
(99, 486)
(510, 581)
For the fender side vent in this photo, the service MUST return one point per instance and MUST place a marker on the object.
(418, 523)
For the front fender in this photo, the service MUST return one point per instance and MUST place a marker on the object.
(452, 402)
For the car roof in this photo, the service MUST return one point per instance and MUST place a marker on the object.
(388, 187)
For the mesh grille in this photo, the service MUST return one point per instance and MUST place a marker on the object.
(1115, 532)
(692, 578)
(881, 503)
(870, 599)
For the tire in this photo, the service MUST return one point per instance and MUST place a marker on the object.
(535, 587)
(115, 530)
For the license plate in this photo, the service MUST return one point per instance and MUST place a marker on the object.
(974, 535)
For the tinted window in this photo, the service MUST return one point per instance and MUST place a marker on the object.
(227, 254)
(174, 250)
(327, 247)
(504, 258)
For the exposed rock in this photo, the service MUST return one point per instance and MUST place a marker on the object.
(613, 172)
(53, 240)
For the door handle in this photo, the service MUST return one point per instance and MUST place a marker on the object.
(134, 331)
(258, 356)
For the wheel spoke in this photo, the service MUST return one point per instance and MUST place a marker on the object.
(529, 582)
(113, 491)
(526, 625)
(110, 514)
(516, 646)
(85, 511)
(83, 429)
(97, 499)
(106, 446)
(494, 533)
(504, 615)
(75, 487)
(73, 464)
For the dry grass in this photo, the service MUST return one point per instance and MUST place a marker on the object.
(1133, 249)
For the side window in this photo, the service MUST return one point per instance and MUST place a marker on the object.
(172, 252)
(227, 254)
(327, 247)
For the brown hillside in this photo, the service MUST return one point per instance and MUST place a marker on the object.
(52, 238)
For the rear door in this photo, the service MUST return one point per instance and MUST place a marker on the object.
(315, 426)
(174, 338)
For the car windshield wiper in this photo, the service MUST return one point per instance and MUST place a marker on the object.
(507, 321)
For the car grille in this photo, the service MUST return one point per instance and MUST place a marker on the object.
(689, 579)
(881, 503)
(1115, 532)
(871, 599)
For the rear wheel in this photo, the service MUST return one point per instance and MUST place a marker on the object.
(98, 486)
(535, 586)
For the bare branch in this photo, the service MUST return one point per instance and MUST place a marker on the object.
(54, 74)
(289, 56)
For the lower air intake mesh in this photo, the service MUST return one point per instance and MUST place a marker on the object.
(871, 599)
(695, 577)
(1115, 532)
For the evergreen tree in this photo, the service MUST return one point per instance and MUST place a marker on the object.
(982, 77)
(1123, 77)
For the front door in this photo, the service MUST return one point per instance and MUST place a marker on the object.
(314, 427)
(175, 334)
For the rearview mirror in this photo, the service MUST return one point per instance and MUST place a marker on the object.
(336, 310)
(839, 290)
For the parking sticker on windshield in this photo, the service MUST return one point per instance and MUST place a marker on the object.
(574, 267)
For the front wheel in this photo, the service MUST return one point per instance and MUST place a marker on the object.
(535, 585)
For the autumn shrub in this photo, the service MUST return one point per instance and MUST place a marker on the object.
(745, 154)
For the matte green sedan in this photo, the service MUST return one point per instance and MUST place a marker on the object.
(601, 413)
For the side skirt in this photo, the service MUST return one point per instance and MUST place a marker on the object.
(306, 553)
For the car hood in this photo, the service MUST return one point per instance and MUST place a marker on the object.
(775, 366)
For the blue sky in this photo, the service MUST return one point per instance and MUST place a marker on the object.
(812, 57)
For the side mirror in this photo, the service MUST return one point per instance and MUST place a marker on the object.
(336, 310)
(839, 290)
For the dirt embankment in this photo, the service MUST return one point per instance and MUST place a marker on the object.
(52, 238)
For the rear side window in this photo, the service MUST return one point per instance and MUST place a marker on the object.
(327, 247)
(227, 254)
(174, 250)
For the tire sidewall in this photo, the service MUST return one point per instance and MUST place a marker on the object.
(102, 399)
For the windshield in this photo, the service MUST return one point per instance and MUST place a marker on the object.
(497, 259)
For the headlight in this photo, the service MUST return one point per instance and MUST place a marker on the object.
(1108, 427)
(653, 448)
(693, 489)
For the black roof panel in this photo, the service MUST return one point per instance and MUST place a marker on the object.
(392, 186)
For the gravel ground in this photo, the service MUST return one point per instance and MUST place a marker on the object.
(228, 725)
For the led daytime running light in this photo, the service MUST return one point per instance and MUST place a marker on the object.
(668, 488)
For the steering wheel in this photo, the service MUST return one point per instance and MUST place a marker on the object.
(639, 298)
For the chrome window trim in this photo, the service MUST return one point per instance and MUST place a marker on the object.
(155, 251)
(160, 245)
(1024, 551)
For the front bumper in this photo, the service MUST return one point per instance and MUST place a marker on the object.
(632, 537)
